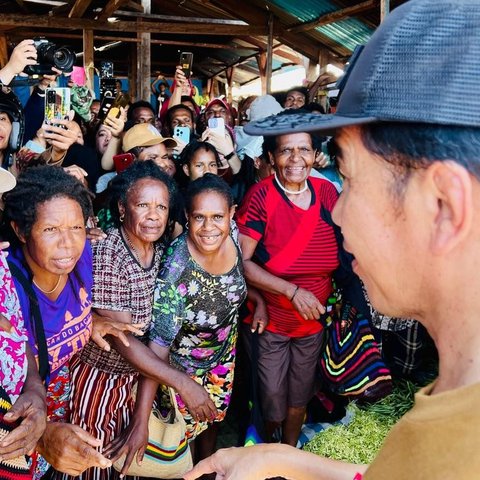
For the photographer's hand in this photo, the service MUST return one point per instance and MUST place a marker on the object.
(60, 138)
(23, 54)
(46, 80)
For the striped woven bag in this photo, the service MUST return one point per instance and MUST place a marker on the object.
(167, 454)
(351, 363)
(16, 468)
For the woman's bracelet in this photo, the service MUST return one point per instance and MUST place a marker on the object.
(294, 293)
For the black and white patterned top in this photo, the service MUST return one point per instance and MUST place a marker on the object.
(120, 284)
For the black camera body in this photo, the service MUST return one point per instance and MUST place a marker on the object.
(49, 56)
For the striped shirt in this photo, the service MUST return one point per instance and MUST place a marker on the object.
(294, 244)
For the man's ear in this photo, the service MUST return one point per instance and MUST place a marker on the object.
(185, 169)
(18, 233)
(454, 207)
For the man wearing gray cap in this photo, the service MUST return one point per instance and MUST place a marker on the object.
(409, 213)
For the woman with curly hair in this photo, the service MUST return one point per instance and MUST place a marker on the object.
(45, 217)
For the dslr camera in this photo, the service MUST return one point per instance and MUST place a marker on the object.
(49, 56)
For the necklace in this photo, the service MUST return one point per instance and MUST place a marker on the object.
(132, 248)
(286, 190)
(49, 291)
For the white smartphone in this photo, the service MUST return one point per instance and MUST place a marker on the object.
(217, 124)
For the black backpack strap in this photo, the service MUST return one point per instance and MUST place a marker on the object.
(43, 364)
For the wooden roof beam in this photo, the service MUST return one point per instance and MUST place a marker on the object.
(110, 9)
(135, 6)
(236, 64)
(256, 16)
(177, 18)
(44, 21)
(113, 38)
(79, 8)
(277, 49)
(22, 6)
(62, 10)
(334, 16)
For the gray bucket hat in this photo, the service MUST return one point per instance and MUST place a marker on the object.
(422, 65)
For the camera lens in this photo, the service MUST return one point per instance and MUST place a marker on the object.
(64, 58)
(60, 56)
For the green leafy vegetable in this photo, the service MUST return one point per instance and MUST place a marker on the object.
(361, 439)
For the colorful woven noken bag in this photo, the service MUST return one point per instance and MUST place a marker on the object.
(351, 363)
(167, 454)
(16, 468)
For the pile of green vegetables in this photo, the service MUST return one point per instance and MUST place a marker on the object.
(361, 439)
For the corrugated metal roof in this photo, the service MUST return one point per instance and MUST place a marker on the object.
(348, 33)
(215, 48)
(306, 10)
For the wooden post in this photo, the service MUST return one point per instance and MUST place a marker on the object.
(268, 72)
(262, 69)
(215, 90)
(3, 50)
(229, 74)
(88, 60)
(310, 70)
(384, 9)
(144, 59)
(132, 72)
(212, 88)
(143, 66)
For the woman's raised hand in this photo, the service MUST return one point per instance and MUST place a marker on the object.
(180, 78)
(221, 141)
(116, 125)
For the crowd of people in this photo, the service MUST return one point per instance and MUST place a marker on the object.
(138, 247)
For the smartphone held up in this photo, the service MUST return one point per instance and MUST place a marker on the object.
(182, 133)
(217, 124)
(57, 104)
(122, 161)
(186, 62)
(110, 106)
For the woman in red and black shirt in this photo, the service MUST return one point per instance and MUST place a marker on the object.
(290, 253)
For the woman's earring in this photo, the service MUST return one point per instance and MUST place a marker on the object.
(186, 225)
(122, 217)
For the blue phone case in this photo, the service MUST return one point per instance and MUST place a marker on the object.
(183, 133)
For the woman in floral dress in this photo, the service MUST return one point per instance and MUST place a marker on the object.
(196, 302)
